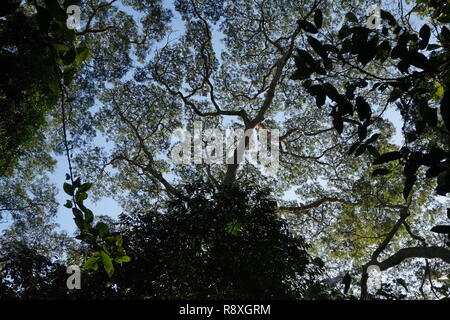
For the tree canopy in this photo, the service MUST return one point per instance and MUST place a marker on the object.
(356, 103)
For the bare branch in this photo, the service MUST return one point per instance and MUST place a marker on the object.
(415, 252)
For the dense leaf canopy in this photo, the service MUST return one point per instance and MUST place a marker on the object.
(363, 117)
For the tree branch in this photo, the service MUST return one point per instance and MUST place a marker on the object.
(148, 168)
(231, 172)
(415, 252)
(88, 29)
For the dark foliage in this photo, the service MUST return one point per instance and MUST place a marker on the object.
(25, 274)
(229, 244)
(24, 93)
(37, 56)
(220, 245)
(420, 93)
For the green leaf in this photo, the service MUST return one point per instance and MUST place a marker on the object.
(353, 147)
(81, 196)
(409, 183)
(55, 27)
(119, 241)
(107, 263)
(419, 60)
(387, 157)
(316, 89)
(69, 35)
(361, 149)
(320, 99)
(445, 35)
(53, 85)
(433, 46)
(428, 114)
(317, 46)
(373, 151)
(122, 259)
(89, 216)
(320, 70)
(350, 16)
(307, 26)
(82, 55)
(331, 48)
(85, 187)
(389, 17)
(68, 188)
(111, 240)
(399, 51)
(318, 18)
(301, 74)
(444, 18)
(77, 213)
(338, 123)
(370, 49)
(60, 47)
(434, 171)
(68, 75)
(68, 204)
(362, 132)
(373, 138)
(344, 32)
(233, 227)
(438, 91)
(102, 229)
(344, 106)
(77, 182)
(383, 51)
(91, 263)
(304, 60)
(331, 92)
(78, 222)
(424, 33)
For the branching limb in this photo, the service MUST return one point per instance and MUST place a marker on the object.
(88, 27)
(149, 167)
(404, 213)
(415, 252)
